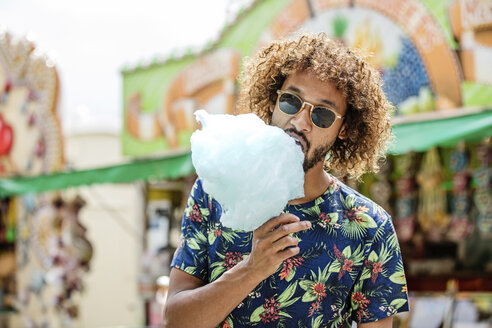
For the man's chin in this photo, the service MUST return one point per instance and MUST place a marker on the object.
(308, 165)
(316, 158)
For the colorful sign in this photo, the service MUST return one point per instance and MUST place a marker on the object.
(166, 122)
(432, 55)
(471, 23)
(401, 39)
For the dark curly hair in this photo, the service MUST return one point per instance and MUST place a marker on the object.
(367, 120)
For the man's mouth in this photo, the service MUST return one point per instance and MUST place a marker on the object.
(298, 140)
(300, 144)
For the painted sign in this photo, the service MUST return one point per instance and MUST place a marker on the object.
(471, 21)
(401, 39)
(432, 55)
(168, 120)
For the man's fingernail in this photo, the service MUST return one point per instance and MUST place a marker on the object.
(307, 224)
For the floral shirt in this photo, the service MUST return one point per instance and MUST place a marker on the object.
(349, 267)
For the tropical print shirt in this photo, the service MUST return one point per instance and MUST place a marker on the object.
(349, 267)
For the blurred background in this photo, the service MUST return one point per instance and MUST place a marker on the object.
(96, 112)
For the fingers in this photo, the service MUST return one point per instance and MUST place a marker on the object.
(289, 228)
(272, 243)
(289, 252)
(271, 224)
(283, 243)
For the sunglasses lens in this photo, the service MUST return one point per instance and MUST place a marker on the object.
(323, 117)
(289, 104)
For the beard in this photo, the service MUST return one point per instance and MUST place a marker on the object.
(318, 155)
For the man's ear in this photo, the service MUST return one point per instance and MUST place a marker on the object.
(271, 109)
(342, 134)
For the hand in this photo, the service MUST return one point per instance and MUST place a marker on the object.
(272, 244)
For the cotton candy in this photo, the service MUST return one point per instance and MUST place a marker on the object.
(250, 168)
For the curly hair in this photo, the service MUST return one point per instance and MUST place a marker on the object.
(367, 120)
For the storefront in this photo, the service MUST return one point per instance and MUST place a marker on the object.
(434, 60)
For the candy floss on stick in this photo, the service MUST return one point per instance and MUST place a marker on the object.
(250, 168)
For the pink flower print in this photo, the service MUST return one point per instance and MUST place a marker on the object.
(347, 265)
(231, 259)
(314, 308)
(289, 264)
(319, 290)
(195, 215)
(271, 310)
(351, 215)
(377, 267)
(360, 299)
(325, 217)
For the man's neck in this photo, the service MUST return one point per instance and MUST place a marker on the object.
(316, 181)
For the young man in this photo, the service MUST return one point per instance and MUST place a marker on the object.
(332, 257)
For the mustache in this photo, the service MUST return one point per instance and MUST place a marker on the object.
(300, 135)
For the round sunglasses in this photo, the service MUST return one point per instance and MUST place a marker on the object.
(291, 104)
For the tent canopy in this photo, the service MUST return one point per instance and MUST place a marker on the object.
(444, 132)
(169, 167)
(413, 136)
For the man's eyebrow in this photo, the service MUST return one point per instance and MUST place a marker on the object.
(324, 101)
(292, 88)
(329, 103)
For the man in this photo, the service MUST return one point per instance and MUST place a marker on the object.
(332, 257)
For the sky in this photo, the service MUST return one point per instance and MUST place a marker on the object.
(90, 42)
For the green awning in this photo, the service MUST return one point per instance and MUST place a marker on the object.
(444, 132)
(169, 167)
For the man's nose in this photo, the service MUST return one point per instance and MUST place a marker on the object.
(302, 120)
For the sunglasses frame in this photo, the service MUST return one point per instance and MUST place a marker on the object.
(303, 105)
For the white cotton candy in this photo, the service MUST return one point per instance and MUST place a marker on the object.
(250, 168)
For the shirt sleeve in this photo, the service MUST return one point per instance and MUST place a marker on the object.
(191, 256)
(381, 289)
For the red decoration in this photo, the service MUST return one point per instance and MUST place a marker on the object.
(32, 95)
(8, 85)
(40, 148)
(32, 119)
(6, 137)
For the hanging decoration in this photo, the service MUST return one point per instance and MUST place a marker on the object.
(66, 253)
(483, 193)
(460, 225)
(405, 197)
(58, 241)
(432, 197)
(381, 189)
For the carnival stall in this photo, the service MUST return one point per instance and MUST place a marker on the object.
(434, 58)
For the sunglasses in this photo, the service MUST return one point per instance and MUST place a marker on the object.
(291, 104)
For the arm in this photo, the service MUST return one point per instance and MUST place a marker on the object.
(193, 303)
(383, 323)
(383, 271)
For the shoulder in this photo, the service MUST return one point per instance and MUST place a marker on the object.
(197, 187)
(200, 200)
(352, 200)
(198, 191)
